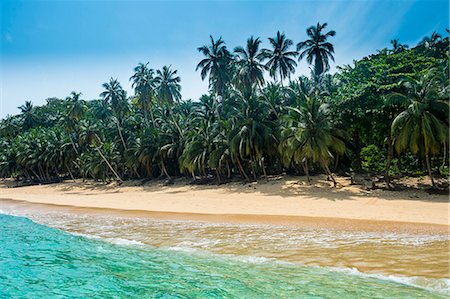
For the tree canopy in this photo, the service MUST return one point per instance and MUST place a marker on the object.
(392, 104)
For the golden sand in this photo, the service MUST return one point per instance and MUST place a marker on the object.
(277, 200)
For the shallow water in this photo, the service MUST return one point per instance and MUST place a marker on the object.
(112, 255)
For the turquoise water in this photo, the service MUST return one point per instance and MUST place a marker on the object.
(39, 261)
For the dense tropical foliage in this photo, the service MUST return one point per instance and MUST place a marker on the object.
(386, 114)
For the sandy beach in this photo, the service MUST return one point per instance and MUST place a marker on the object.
(265, 201)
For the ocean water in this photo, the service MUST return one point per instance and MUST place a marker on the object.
(38, 261)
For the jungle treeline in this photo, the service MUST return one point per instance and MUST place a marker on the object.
(386, 115)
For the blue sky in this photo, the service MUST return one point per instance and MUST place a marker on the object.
(50, 48)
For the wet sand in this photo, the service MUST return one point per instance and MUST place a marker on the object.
(378, 247)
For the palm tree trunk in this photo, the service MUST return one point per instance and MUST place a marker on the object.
(306, 169)
(389, 159)
(242, 170)
(147, 124)
(216, 104)
(427, 161)
(120, 134)
(73, 145)
(152, 117)
(163, 168)
(254, 170)
(109, 165)
(263, 168)
(35, 173)
(329, 173)
(218, 176)
(70, 172)
(106, 160)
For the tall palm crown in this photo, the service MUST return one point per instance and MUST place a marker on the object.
(168, 85)
(250, 68)
(430, 41)
(317, 48)
(75, 106)
(397, 46)
(142, 79)
(143, 82)
(28, 116)
(280, 60)
(26, 108)
(115, 95)
(216, 64)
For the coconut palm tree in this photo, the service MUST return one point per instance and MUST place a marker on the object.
(28, 116)
(143, 82)
(248, 59)
(89, 136)
(75, 110)
(309, 136)
(252, 137)
(75, 106)
(117, 98)
(397, 46)
(317, 49)
(217, 65)
(423, 127)
(281, 61)
(167, 86)
(430, 41)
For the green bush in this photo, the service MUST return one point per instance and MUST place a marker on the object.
(373, 159)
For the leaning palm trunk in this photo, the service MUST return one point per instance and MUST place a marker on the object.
(109, 165)
(329, 173)
(163, 168)
(106, 161)
(120, 135)
(427, 161)
(242, 170)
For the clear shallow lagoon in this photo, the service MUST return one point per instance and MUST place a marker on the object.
(40, 261)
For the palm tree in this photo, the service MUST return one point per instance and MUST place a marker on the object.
(252, 137)
(117, 97)
(317, 48)
(216, 64)
(308, 135)
(75, 110)
(424, 126)
(397, 46)
(168, 86)
(28, 117)
(430, 41)
(280, 60)
(75, 107)
(274, 97)
(89, 136)
(143, 83)
(250, 68)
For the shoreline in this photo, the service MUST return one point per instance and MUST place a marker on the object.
(282, 201)
(343, 224)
